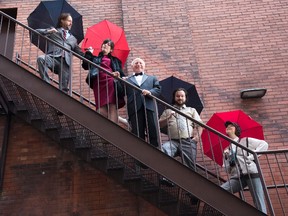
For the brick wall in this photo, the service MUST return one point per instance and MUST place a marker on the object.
(220, 46)
(41, 178)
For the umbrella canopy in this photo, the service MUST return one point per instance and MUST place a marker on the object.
(46, 15)
(105, 29)
(213, 145)
(172, 83)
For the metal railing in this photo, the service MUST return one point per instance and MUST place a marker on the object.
(272, 166)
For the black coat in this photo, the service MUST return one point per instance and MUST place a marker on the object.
(116, 64)
(150, 83)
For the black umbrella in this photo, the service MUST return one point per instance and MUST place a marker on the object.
(172, 83)
(46, 15)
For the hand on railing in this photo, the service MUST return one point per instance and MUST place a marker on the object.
(90, 49)
(116, 74)
(146, 92)
(51, 30)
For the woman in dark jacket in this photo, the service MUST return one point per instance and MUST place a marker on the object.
(103, 85)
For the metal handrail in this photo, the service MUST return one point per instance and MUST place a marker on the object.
(132, 86)
(127, 83)
(161, 102)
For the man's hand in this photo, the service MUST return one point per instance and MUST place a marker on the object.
(51, 30)
(172, 113)
(146, 92)
(226, 153)
(116, 74)
(196, 139)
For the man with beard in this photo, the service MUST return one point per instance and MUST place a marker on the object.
(56, 59)
(183, 133)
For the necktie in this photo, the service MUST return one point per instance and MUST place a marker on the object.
(64, 34)
(137, 74)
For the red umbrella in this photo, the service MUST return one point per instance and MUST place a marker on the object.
(213, 145)
(97, 33)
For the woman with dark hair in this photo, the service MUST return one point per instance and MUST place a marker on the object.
(241, 166)
(103, 85)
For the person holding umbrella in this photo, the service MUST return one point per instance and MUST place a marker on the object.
(103, 84)
(183, 133)
(241, 166)
(56, 59)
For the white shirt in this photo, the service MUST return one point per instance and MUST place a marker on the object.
(139, 78)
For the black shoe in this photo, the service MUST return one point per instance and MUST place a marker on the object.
(166, 182)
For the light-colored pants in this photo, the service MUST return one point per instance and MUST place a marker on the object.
(57, 65)
(235, 185)
(186, 148)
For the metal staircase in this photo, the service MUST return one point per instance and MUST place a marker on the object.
(97, 151)
(112, 149)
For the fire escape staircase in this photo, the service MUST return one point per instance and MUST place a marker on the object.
(111, 148)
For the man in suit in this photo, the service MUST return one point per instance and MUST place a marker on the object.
(57, 59)
(141, 107)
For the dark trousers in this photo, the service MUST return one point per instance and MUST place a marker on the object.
(141, 123)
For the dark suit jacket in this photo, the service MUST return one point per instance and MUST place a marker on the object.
(149, 83)
(70, 43)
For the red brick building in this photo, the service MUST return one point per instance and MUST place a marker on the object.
(220, 46)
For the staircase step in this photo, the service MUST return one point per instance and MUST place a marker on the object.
(23, 114)
(53, 133)
(20, 107)
(168, 195)
(116, 174)
(37, 123)
(172, 208)
(65, 133)
(132, 176)
(134, 185)
(208, 210)
(96, 154)
(99, 158)
(115, 164)
(73, 145)
(34, 115)
(50, 126)
(100, 164)
(81, 143)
